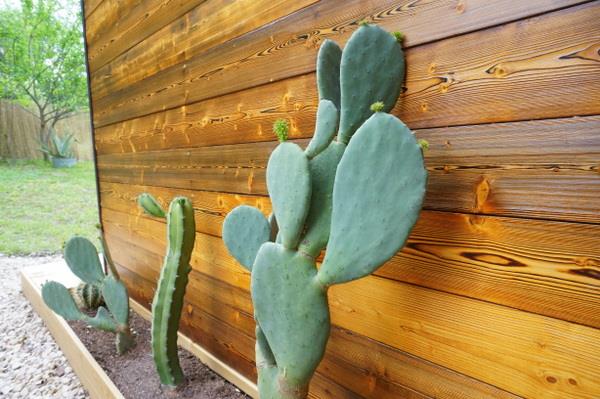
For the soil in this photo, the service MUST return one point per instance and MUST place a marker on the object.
(134, 372)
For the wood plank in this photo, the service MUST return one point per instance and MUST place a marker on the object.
(544, 267)
(422, 22)
(92, 376)
(509, 169)
(135, 21)
(89, 6)
(528, 354)
(365, 361)
(492, 75)
(209, 24)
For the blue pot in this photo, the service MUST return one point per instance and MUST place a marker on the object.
(63, 162)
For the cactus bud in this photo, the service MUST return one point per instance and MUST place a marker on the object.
(424, 144)
(363, 22)
(151, 206)
(281, 128)
(378, 106)
(399, 36)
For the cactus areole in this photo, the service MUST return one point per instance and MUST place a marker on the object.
(358, 194)
(168, 299)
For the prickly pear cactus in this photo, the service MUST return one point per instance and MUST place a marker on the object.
(97, 289)
(358, 194)
(168, 300)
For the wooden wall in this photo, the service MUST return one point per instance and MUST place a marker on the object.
(496, 295)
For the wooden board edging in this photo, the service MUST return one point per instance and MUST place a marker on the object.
(92, 376)
(216, 365)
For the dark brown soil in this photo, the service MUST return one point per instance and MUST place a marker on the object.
(134, 372)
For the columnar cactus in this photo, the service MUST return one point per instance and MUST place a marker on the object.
(359, 195)
(82, 258)
(168, 299)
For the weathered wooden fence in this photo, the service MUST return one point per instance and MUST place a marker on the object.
(496, 295)
(19, 133)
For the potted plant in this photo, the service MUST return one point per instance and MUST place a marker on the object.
(60, 150)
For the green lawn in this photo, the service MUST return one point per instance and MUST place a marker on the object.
(41, 207)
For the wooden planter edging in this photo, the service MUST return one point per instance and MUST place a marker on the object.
(91, 375)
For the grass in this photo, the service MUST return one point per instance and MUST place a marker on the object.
(41, 207)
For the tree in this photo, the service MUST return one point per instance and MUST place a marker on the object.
(42, 60)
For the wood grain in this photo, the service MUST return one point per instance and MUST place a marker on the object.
(420, 21)
(374, 378)
(528, 354)
(550, 268)
(495, 169)
(89, 6)
(496, 74)
(211, 23)
(135, 21)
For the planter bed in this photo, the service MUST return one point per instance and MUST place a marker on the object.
(104, 374)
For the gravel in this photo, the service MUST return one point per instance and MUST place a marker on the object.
(31, 364)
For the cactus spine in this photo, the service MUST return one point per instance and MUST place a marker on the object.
(82, 258)
(359, 194)
(168, 299)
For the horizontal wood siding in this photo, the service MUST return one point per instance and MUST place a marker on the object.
(497, 292)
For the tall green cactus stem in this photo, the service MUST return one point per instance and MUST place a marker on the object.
(83, 260)
(358, 195)
(168, 300)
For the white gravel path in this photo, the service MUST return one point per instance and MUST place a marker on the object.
(31, 364)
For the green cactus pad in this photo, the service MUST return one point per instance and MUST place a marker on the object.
(288, 181)
(102, 320)
(378, 192)
(325, 129)
(291, 308)
(322, 171)
(58, 298)
(117, 300)
(372, 69)
(82, 257)
(245, 229)
(150, 205)
(168, 299)
(328, 72)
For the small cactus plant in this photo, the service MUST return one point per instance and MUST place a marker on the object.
(359, 195)
(83, 260)
(87, 296)
(168, 299)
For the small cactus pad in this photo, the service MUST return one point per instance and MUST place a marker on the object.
(322, 172)
(291, 309)
(288, 181)
(102, 320)
(83, 260)
(378, 192)
(150, 205)
(245, 229)
(117, 300)
(328, 72)
(325, 129)
(58, 298)
(372, 69)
